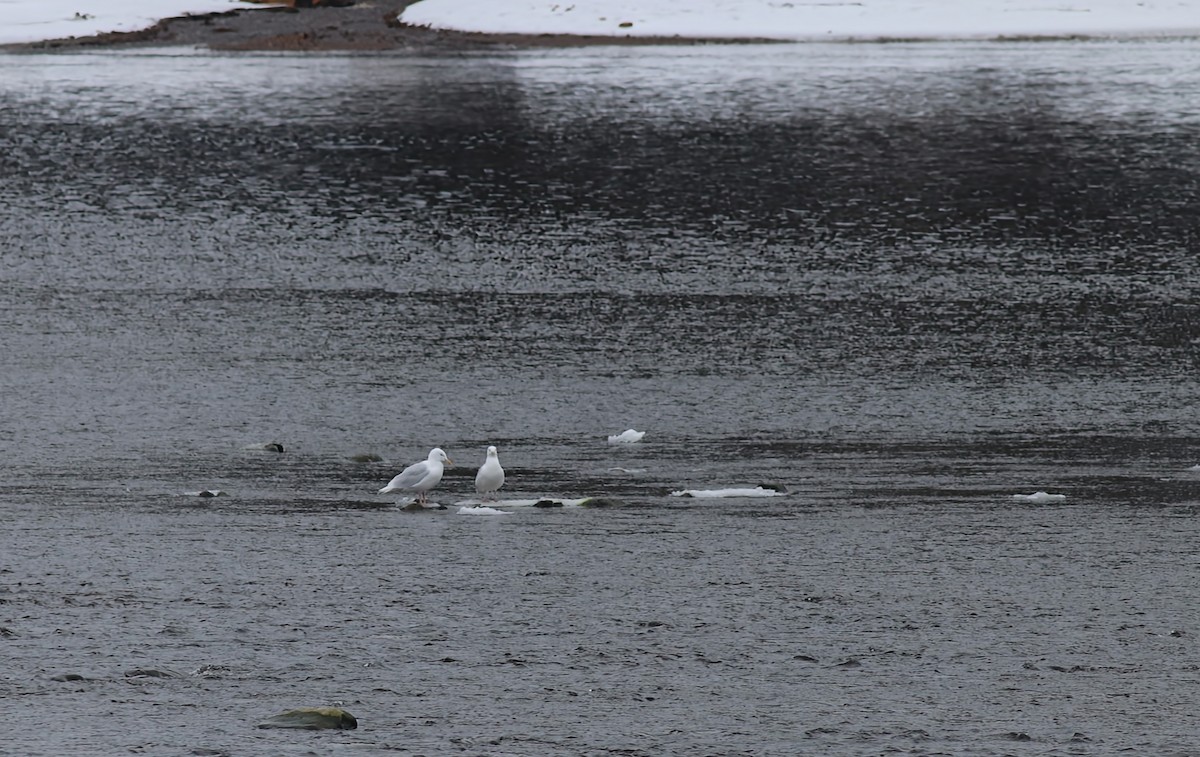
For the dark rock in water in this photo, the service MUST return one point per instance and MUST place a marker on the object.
(813, 732)
(547, 503)
(367, 458)
(151, 673)
(850, 663)
(804, 658)
(313, 719)
(774, 487)
(265, 447)
(417, 507)
(68, 677)
(600, 502)
(1017, 736)
(212, 493)
(7, 633)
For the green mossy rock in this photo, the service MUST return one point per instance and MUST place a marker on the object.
(313, 719)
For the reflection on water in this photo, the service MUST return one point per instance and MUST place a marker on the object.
(971, 221)
(903, 281)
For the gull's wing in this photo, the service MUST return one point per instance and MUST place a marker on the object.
(408, 478)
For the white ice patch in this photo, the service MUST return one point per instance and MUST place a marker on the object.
(545, 502)
(1040, 497)
(628, 436)
(757, 491)
(35, 20)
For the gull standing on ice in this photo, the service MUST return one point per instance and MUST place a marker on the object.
(419, 478)
(490, 477)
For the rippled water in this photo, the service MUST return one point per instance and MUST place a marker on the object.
(904, 282)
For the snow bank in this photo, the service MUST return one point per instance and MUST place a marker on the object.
(36, 20)
(796, 20)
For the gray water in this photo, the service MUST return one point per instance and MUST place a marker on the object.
(901, 282)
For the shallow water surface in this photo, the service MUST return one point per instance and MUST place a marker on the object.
(901, 283)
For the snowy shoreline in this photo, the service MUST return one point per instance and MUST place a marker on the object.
(25, 21)
(783, 20)
(52, 24)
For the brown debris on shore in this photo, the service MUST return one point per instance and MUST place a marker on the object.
(326, 27)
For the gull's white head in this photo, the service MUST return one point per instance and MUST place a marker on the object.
(491, 452)
(436, 455)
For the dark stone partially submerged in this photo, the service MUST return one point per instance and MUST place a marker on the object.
(151, 673)
(600, 502)
(313, 719)
(66, 677)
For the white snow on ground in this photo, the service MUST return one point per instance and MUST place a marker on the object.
(813, 19)
(35, 20)
(32, 20)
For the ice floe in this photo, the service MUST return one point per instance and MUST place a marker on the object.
(629, 436)
(1040, 497)
(481, 510)
(539, 502)
(757, 491)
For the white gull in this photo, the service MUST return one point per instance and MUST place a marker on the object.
(419, 478)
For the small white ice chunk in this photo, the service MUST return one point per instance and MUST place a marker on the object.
(758, 491)
(1040, 497)
(628, 436)
(481, 510)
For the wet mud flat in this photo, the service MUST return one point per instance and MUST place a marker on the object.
(364, 27)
